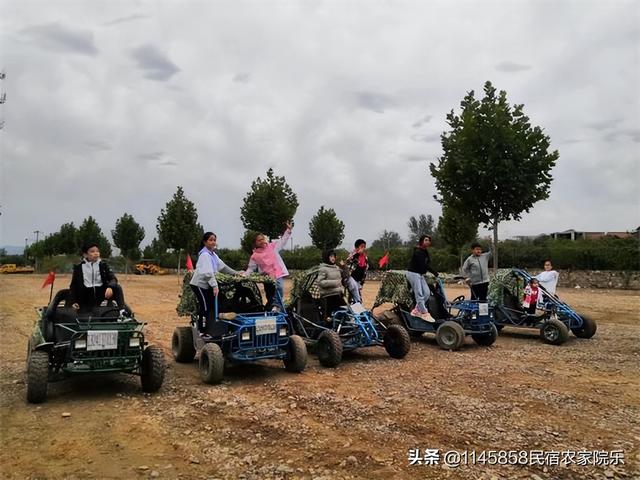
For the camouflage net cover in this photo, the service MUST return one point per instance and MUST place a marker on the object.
(187, 304)
(303, 282)
(394, 288)
(504, 277)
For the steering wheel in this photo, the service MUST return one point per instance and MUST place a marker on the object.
(459, 298)
(111, 312)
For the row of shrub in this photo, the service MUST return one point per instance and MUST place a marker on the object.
(604, 254)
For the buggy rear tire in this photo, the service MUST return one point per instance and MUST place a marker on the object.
(554, 332)
(486, 339)
(152, 368)
(182, 345)
(588, 328)
(329, 348)
(37, 376)
(389, 317)
(296, 359)
(396, 341)
(211, 363)
(450, 335)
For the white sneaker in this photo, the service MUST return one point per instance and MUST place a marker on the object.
(427, 318)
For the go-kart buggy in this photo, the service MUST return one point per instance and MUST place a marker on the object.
(453, 321)
(108, 338)
(333, 326)
(244, 329)
(554, 318)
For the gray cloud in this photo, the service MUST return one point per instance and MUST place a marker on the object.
(157, 155)
(128, 18)
(98, 145)
(242, 77)
(428, 138)
(155, 64)
(375, 102)
(604, 124)
(415, 158)
(509, 67)
(168, 163)
(424, 120)
(54, 36)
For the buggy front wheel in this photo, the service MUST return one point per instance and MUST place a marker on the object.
(152, 368)
(211, 363)
(486, 339)
(554, 332)
(296, 359)
(587, 329)
(329, 348)
(450, 335)
(396, 341)
(37, 376)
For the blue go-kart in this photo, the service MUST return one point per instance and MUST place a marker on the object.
(553, 318)
(244, 330)
(453, 320)
(332, 326)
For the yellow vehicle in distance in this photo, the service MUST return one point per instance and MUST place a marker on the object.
(148, 266)
(13, 268)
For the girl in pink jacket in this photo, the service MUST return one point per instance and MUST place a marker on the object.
(266, 259)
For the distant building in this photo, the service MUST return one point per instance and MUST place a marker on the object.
(578, 235)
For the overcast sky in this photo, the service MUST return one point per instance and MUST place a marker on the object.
(111, 105)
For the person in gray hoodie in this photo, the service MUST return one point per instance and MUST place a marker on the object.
(476, 271)
(204, 283)
(329, 275)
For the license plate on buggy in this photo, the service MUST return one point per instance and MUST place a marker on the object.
(483, 309)
(265, 326)
(102, 340)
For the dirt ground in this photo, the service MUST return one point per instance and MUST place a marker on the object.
(360, 420)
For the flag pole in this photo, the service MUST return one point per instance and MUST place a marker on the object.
(51, 291)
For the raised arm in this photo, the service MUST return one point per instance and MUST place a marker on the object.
(282, 241)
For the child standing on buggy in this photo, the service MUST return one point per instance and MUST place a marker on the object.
(531, 296)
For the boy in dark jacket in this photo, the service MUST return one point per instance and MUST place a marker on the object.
(93, 281)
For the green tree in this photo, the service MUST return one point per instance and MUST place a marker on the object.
(268, 205)
(326, 229)
(456, 228)
(387, 240)
(156, 249)
(246, 242)
(178, 225)
(495, 164)
(67, 239)
(90, 231)
(127, 236)
(423, 225)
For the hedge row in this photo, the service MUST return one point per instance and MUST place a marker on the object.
(604, 254)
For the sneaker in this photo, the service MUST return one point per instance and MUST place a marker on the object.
(275, 309)
(205, 336)
(427, 318)
(415, 313)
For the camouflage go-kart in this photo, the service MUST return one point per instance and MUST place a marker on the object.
(554, 318)
(453, 320)
(106, 339)
(244, 330)
(333, 326)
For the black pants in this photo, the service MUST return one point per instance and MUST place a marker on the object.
(93, 296)
(206, 306)
(479, 291)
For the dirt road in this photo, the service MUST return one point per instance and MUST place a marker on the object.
(359, 420)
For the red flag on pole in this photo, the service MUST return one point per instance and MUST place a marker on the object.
(189, 263)
(50, 279)
(384, 260)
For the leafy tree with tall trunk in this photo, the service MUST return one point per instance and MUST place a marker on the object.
(269, 205)
(127, 236)
(326, 229)
(178, 225)
(90, 231)
(423, 225)
(495, 165)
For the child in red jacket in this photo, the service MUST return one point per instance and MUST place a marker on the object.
(531, 292)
